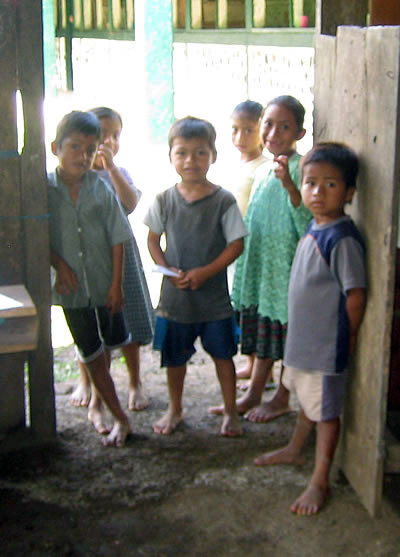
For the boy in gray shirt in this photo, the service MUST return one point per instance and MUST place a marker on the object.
(204, 233)
(326, 306)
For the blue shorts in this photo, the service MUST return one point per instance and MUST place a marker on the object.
(176, 340)
(94, 329)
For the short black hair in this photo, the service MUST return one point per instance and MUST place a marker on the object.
(105, 112)
(191, 127)
(292, 104)
(249, 109)
(77, 121)
(338, 155)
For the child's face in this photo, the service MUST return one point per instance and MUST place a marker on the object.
(246, 137)
(279, 130)
(191, 158)
(110, 136)
(75, 155)
(324, 191)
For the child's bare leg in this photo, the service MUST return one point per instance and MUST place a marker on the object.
(245, 372)
(291, 454)
(81, 394)
(312, 499)
(102, 380)
(137, 399)
(173, 416)
(273, 408)
(261, 372)
(96, 413)
(227, 379)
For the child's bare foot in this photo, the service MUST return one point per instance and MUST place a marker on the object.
(310, 501)
(168, 423)
(267, 411)
(97, 417)
(244, 385)
(81, 395)
(281, 456)
(137, 400)
(243, 404)
(118, 435)
(244, 373)
(231, 426)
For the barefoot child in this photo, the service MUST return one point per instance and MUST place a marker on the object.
(204, 234)
(87, 232)
(138, 310)
(276, 219)
(326, 306)
(246, 138)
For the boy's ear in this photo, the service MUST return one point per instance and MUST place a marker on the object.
(54, 148)
(349, 195)
(301, 134)
(214, 157)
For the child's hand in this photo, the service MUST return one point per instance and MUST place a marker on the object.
(281, 168)
(197, 277)
(115, 299)
(66, 279)
(180, 282)
(105, 154)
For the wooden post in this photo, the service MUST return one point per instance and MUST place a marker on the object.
(385, 13)
(329, 15)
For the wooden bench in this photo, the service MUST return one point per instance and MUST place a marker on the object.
(18, 320)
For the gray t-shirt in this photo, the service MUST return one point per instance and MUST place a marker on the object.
(329, 261)
(196, 232)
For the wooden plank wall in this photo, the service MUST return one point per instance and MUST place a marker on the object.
(357, 102)
(24, 256)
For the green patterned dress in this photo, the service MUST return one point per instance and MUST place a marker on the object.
(261, 280)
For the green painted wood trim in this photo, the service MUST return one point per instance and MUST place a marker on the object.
(268, 37)
(248, 14)
(188, 15)
(283, 36)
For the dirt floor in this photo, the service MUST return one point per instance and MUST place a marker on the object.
(189, 494)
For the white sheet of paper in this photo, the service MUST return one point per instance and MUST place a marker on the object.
(8, 303)
(164, 271)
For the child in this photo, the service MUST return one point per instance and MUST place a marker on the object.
(87, 232)
(138, 310)
(326, 306)
(276, 219)
(204, 234)
(246, 138)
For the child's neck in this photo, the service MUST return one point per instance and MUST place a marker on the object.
(248, 157)
(192, 191)
(73, 183)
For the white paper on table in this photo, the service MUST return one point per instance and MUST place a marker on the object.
(165, 271)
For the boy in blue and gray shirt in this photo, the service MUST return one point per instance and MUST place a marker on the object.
(327, 293)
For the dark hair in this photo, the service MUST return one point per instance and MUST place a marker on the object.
(292, 104)
(338, 155)
(191, 127)
(249, 109)
(77, 121)
(105, 112)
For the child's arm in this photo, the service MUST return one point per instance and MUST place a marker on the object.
(124, 190)
(199, 275)
(281, 167)
(66, 279)
(157, 254)
(355, 307)
(115, 295)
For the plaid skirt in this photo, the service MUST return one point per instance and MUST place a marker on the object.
(261, 336)
(138, 310)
